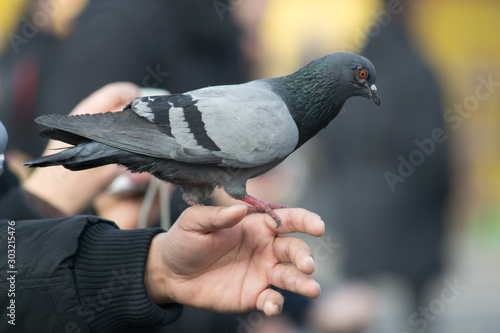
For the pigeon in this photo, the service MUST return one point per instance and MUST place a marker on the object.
(218, 135)
(3, 145)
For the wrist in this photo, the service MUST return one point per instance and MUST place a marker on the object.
(155, 277)
(113, 261)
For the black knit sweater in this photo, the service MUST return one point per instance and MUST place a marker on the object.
(80, 271)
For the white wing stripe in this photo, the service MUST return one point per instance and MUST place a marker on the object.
(180, 129)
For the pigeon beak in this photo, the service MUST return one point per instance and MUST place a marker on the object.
(372, 93)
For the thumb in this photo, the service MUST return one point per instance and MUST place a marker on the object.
(205, 219)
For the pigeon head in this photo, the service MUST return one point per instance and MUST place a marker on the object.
(316, 93)
(346, 75)
(361, 75)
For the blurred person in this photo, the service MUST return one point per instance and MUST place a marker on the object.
(158, 44)
(385, 184)
(30, 48)
(163, 44)
(79, 187)
(176, 45)
(381, 176)
(385, 236)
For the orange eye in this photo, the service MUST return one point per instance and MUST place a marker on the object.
(362, 74)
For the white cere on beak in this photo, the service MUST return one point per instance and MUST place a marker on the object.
(373, 87)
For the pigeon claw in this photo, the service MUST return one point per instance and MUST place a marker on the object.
(263, 207)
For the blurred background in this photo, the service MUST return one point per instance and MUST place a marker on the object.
(410, 191)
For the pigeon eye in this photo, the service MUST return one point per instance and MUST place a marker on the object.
(362, 74)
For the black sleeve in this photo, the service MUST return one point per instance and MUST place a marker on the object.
(15, 205)
(109, 274)
(76, 274)
(18, 204)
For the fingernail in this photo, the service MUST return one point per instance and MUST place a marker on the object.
(271, 309)
(310, 260)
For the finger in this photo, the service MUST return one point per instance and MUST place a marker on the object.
(206, 219)
(111, 97)
(300, 220)
(70, 192)
(289, 278)
(294, 251)
(270, 302)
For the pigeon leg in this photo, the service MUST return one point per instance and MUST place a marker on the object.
(192, 203)
(261, 206)
(270, 205)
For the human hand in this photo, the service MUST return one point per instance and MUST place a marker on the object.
(223, 260)
(72, 192)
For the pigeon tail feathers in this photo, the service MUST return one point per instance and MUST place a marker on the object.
(84, 156)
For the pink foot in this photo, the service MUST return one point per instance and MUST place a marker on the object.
(261, 206)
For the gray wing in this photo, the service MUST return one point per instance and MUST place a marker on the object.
(239, 126)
